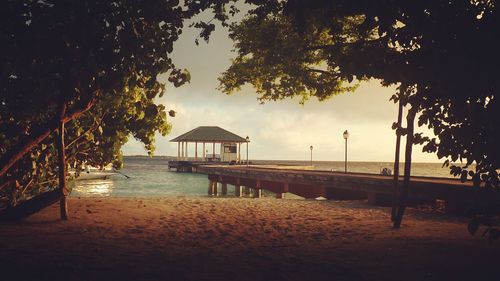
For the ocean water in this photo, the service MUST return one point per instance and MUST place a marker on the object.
(149, 177)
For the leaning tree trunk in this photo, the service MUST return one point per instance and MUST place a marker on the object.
(395, 191)
(40, 133)
(403, 200)
(61, 158)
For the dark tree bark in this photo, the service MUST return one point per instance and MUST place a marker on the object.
(403, 200)
(395, 191)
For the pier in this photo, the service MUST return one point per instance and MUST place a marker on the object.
(187, 166)
(377, 189)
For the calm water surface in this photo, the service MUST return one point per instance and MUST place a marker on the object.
(149, 177)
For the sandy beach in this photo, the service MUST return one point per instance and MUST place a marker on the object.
(240, 239)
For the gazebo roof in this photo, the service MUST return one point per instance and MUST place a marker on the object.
(209, 134)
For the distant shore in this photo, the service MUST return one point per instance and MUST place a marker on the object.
(240, 239)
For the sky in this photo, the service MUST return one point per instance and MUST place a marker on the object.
(278, 130)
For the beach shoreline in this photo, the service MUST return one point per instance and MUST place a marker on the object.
(186, 238)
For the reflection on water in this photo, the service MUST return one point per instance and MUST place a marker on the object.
(94, 187)
(149, 177)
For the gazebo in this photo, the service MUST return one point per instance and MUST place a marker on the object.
(230, 144)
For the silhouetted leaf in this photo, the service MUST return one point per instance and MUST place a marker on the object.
(463, 176)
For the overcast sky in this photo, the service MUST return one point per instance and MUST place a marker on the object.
(281, 130)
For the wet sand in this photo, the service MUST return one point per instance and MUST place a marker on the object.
(240, 239)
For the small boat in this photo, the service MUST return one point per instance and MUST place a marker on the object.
(90, 173)
(96, 175)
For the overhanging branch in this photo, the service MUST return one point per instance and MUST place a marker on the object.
(42, 132)
(321, 71)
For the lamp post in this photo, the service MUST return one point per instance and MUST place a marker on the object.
(346, 136)
(311, 148)
(248, 140)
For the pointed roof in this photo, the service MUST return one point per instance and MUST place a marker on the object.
(209, 134)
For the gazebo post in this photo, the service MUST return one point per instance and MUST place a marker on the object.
(239, 152)
(187, 150)
(204, 155)
(213, 151)
(221, 150)
(182, 157)
(195, 151)
(178, 151)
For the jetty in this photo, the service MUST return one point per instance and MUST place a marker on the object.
(377, 189)
(228, 144)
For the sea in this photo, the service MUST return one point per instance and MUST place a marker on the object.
(147, 177)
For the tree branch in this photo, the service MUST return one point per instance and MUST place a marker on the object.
(90, 129)
(5, 184)
(41, 133)
(318, 47)
(321, 71)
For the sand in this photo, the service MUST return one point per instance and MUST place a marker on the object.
(240, 239)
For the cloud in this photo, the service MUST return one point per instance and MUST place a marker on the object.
(278, 130)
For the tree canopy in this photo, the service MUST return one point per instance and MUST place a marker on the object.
(443, 53)
(90, 64)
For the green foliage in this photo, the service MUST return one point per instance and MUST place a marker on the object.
(444, 52)
(279, 63)
(100, 60)
(468, 132)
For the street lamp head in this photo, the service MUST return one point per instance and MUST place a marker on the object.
(346, 134)
(248, 139)
(311, 147)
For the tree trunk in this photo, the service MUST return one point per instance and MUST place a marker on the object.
(61, 159)
(410, 118)
(395, 191)
(38, 135)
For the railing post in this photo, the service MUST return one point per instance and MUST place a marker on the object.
(210, 188)
(224, 189)
(237, 188)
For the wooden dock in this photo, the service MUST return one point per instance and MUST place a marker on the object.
(188, 166)
(377, 189)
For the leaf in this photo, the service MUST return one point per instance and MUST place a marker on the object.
(463, 176)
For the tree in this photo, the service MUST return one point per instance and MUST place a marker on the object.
(87, 69)
(84, 51)
(429, 47)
